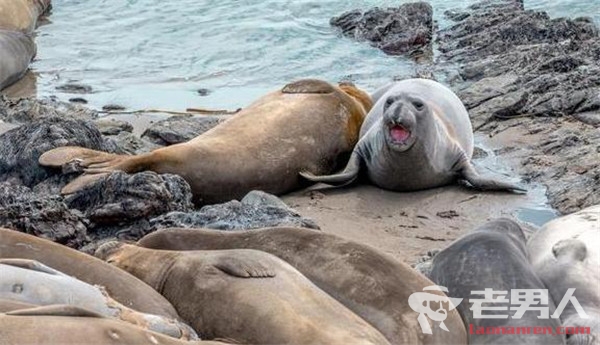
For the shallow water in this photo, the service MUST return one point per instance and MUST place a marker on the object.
(157, 54)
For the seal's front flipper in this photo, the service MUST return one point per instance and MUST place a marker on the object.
(30, 265)
(469, 173)
(346, 177)
(56, 310)
(244, 267)
(570, 250)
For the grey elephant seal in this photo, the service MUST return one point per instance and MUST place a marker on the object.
(22, 15)
(31, 282)
(16, 52)
(121, 286)
(69, 325)
(247, 296)
(306, 125)
(495, 257)
(417, 136)
(565, 253)
(373, 285)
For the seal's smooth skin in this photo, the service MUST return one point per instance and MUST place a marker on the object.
(69, 325)
(22, 15)
(373, 285)
(121, 286)
(565, 253)
(31, 282)
(16, 52)
(307, 125)
(417, 136)
(495, 257)
(247, 296)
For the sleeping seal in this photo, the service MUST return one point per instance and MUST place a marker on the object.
(248, 296)
(565, 253)
(495, 257)
(307, 125)
(16, 52)
(370, 283)
(417, 136)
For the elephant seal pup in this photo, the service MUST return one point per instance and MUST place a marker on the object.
(16, 52)
(565, 254)
(22, 15)
(69, 325)
(494, 257)
(248, 296)
(371, 284)
(308, 125)
(29, 281)
(417, 136)
(121, 286)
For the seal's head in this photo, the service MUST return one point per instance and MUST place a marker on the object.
(403, 116)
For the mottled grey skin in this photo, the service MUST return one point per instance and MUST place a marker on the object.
(493, 256)
(69, 325)
(248, 296)
(16, 52)
(29, 281)
(437, 152)
(565, 253)
(370, 283)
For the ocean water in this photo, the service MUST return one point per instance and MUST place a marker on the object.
(158, 54)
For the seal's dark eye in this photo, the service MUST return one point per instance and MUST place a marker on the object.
(418, 105)
(389, 102)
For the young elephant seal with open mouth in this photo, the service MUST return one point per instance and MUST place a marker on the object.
(417, 136)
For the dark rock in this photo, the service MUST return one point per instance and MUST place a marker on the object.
(407, 29)
(20, 148)
(203, 92)
(178, 129)
(112, 107)
(74, 88)
(112, 126)
(256, 210)
(120, 198)
(128, 143)
(78, 100)
(40, 215)
(25, 110)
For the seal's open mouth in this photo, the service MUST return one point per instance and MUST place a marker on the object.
(399, 134)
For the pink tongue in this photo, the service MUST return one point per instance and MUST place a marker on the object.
(399, 133)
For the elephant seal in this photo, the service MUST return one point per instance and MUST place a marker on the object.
(307, 125)
(493, 256)
(248, 296)
(16, 52)
(22, 15)
(371, 284)
(418, 135)
(69, 325)
(29, 281)
(120, 285)
(565, 254)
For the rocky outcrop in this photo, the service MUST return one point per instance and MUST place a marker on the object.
(26, 110)
(178, 129)
(406, 29)
(256, 210)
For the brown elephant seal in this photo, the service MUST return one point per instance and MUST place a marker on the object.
(417, 136)
(248, 296)
(69, 325)
(29, 281)
(22, 15)
(308, 125)
(16, 52)
(565, 254)
(121, 286)
(373, 285)
(495, 257)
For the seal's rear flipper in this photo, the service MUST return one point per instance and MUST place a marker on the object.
(469, 173)
(244, 267)
(81, 182)
(55, 310)
(346, 177)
